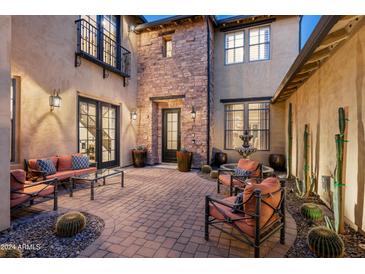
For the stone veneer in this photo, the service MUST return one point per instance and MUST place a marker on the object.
(185, 73)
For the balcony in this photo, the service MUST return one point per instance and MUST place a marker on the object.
(95, 46)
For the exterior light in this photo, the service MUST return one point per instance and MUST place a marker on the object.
(133, 116)
(55, 100)
(132, 28)
(193, 113)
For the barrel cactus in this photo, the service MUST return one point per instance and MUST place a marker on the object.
(10, 253)
(311, 211)
(214, 174)
(325, 243)
(206, 169)
(70, 224)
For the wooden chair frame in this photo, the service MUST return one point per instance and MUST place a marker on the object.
(261, 234)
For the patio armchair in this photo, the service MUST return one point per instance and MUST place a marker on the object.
(23, 192)
(260, 215)
(230, 179)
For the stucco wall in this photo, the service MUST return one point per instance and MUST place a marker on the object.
(5, 44)
(43, 55)
(255, 79)
(338, 83)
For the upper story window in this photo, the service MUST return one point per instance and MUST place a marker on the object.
(259, 43)
(99, 40)
(167, 46)
(234, 47)
(251, 116)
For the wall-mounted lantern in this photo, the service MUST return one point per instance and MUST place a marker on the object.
(193, 113)
(55, 100)
(131, 28)
(133, 116)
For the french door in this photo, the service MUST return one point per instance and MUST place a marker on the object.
(98, 132)
(170, 134)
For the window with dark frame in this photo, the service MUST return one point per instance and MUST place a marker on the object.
(252, 116)
(13, 96)
(167, 46)
(234, 47)
(259, 43)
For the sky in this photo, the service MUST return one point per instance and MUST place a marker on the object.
(307, 24)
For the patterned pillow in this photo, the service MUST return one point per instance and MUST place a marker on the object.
(46, 166)
(242, 172)
(80, 161)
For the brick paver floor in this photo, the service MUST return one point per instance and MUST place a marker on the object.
(160, 213)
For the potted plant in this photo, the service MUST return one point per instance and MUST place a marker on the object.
(139, 156)
(184, 160)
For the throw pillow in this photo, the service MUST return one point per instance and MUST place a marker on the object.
(46, 166)
(238, 204)
(242, 172)
(80, 161)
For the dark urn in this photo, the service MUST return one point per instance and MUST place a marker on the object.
(184, 160)
(220, 158)
(277, 162)
(139, 156)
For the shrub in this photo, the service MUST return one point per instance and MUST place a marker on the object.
(206, 169)
(70, 224)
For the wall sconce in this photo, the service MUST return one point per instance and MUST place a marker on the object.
(131, 28)
(55, 100)
(193, 113)
(133, 115)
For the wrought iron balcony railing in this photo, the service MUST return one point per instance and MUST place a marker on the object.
(95, 46)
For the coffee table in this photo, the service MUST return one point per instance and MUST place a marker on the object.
(94, 177)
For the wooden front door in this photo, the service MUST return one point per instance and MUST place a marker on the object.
(170, 134)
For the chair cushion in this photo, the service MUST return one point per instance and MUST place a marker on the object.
(47, 166)
(17, 179)
(225, 179)
(17, 199)
(80, 161)
(39, 190)
(250, 165)
(84, 171)
(64, 162)
(62, 175)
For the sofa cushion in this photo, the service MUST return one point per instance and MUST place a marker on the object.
(80, 161)
(225, 179)
(62, 175)
(64, 162)
(39, 190)
(250, 165)
(17, 179)
(47, 166)
(32, 163)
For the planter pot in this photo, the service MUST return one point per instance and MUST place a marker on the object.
(184, 160)
(139, 157)
(277, 161)
(220, 158)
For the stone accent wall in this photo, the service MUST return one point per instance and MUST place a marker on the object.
(185, 73)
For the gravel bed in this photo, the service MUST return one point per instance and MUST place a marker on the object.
(354, 241)
(35, 236)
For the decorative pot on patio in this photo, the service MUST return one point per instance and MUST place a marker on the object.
(139, 155)
(277, 161)
(220, 158)
(184, 160)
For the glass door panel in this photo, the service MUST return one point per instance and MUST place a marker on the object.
(171, 134)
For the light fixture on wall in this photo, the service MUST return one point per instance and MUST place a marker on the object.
(55, 100)
(131, 28)
(193, 113)
(133, 115)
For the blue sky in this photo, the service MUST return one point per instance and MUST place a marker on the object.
(307, 25)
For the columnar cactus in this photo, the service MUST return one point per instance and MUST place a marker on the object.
(339, 180)
(325, 243)
(70, 224)
(290, 142)
(10, 253)
(311, 212)
(306, 180)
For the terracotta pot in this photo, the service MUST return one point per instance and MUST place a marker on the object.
(139, 157)
(184, 160)
(277, 162)
(220, 158)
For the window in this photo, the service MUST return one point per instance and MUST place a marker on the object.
(252, 116)
(234, 47)
(259, 43)
(167, 47)
(99, 41)
(13, 104)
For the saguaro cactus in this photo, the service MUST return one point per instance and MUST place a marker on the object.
(306, 180)
(339, 180)
(290, 142)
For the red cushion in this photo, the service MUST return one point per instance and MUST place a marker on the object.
(225, 179)
(32, 163)
(17, 179)
(64, 162)
(39, 190)
(61, 175)
(17, 199)
(250, 165)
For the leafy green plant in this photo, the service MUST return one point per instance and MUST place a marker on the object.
(325, 243)
(70, 224)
